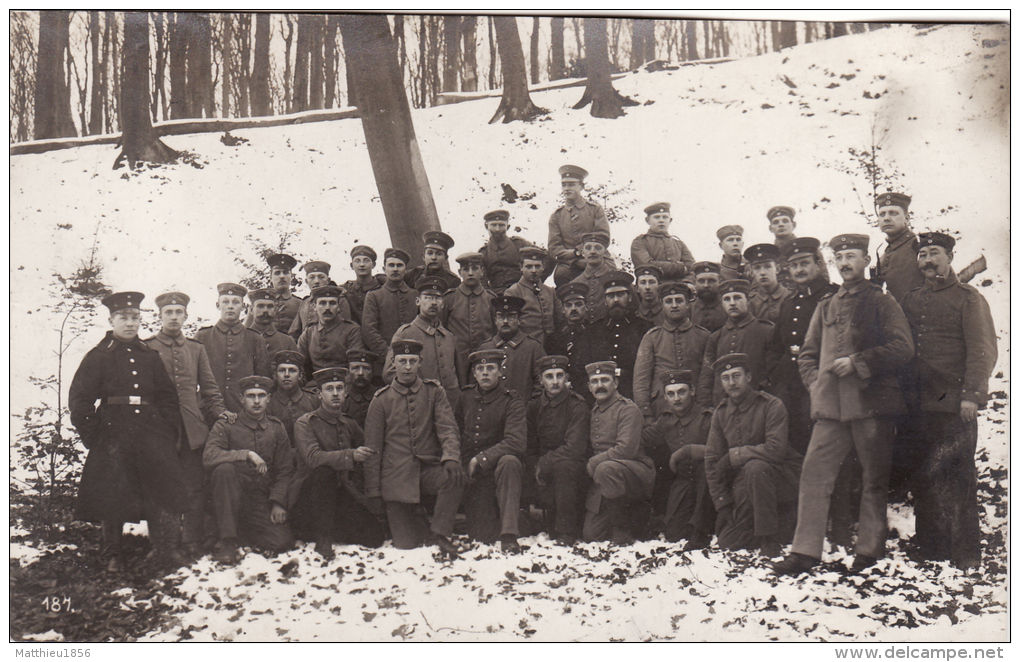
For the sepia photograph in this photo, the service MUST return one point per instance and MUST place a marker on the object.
(502, 328)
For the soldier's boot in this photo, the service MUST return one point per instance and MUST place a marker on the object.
(110, 548)
(619, 517)
(324, 547)
(769, 547)
(862, 562)
(444, 544)
(227, 552)
(165, 537)
(794, 564)
(698, 540)
(508, 544)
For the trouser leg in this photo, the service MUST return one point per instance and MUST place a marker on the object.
(318, 503)
(830, 442)
(598, 525)
(680, 505)
(406, 529)
(448, 498)
(193, 474)
(110, 540)
(226, 496)
(873, 440)
(754, 507)
(845, 500)
(481, 510)
(164, 529)
(354, 523)
(567, 478)
(508, 494)
(565, 273)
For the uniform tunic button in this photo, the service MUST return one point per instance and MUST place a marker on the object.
(136, 386)
(138, 411)
(131, 360)
(134, 372)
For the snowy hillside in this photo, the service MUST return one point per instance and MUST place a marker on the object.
(723, 143)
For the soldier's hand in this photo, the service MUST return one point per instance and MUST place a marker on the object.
(374, 505)
(968, 411)
(681, 455)
(278, 514)
(454, 473)
(843, 366)
(260, 464)
(362, 453)
(229, 416)
(538, 477)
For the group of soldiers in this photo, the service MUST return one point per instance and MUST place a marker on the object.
(736, 399)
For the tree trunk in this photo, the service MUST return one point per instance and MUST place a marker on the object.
(200, 84)
(98, 77)
(329, 54)
(303, 52)
(642, 42)
(242, 71)
(260, 102)
(451, 52)
(469, 68)
(159, 101)
(398, 30)
(534, 51)
(787, 34)
(557, 64)
(139, 141)
(52, 94)
(423, 68)
(839, 29)
(389, 133)
(178, 67)
(605, 101)
(315, 82)
(576, 23)
(515, 103)
(492, 55)
(433, 59)
(288, 79)
(226, 37)
(692, 41)
(112, 43)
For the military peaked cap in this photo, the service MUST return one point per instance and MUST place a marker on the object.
(361, 356)
(507, 304)
(327, 291)
(281, 261)
(730, 361)
(677, 287)
(290, 357)
(405, 346)
(497, 215)
(803, 246)
(935, 239)
(762, 253)
(728, 230)
(735, 285)
(844, 242)
(571, 291)
(438, 239)
(316, 267)
(260, 294)
(648, 270)
(893, 199)
(172, 299)
(597, 237)
(255, 381)
(532, 253)
(362, 249)
(122, 300)
(232, 289)
(657, 208)
(679, 377)
(550, 361)
(471, 257)
(780, 210)
(327, 375)
(572, 173)
(617, 280)
(496, 356)
(602, 368)
(706, 268)
(430, 284)
(396, 253)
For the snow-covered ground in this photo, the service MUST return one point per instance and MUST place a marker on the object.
(723, 143)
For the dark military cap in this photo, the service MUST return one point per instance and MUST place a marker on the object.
(657, 208)
(935, 239)
(172, 299)
(497, 215)
(496, 356)
(507, 304)
(316, 267)
(260, 294)
(405, 346)
(893, 199)
(762, 253)
(780, 210)
(281, 261)
(677, 287)
(572, 173)
(255, 381)
(617, 280)
(362, 249)
(397, 253)
(288, 356)
(327, 291)
(648, 270)
(803, 246)
(728, 230)
(471, 257)
(327, 375)
(735, 285)
(231, 288)
(597, 237)
(706, 268)
(121, 300)
(602, 368)
(679, 377)
(571, 291)
(730, 361)
(361, 356)
(550, 361)
(532, 253)
(430, 284)
(844, 242)
(438, 239)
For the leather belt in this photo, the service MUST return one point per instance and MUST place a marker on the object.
(133, 400)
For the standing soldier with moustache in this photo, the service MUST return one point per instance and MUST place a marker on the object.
(261, 320)
(286, 305)
(660, 249)
(677, 344)
(492, 442)
(361, 384)
(363, 260)
(316, 276)
(500, 254)
(571, 339)
(956, 352)
(131, 470)
(234, 350)
(857, 341)
(390, 306)
(412, 431)
(288, 401)
(897, 265)
(520, 373)
(731, 241)
(596, 270)
(707, 310)
(541, 307)
(569, 224)
(558, 435)
(617, 337)
(435, 261)
(467, 311)
(647, 280)
(768, 293)
(325, 343)
(201, 404)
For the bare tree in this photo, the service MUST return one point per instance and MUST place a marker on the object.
(329, 55)
(515, 103)
(113, 60)
(642, 42)
(179, 97)
(288, 41)
(139, 140)
(303, 49)
(52, 94)
(159, 100)
(23, 74)
(469, 69)
(315, 78)
(98, 96)
(535, 73)
(691, 41)
(242, 68)
(492, 54)
(557, 64)
(260, 103)
(787, 34)
(226, 45)
(451, 52)
(200, 82)
(599, 92)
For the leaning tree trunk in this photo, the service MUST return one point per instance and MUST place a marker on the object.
(515, 103)
(260, 101)
(400, 176)
(557, 63)
(605, 101)
(52, 94)
(139, 141)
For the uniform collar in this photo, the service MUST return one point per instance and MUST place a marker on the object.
(730, 261)
(528, 286)
(168, 340)
(601, 270)
(234, 329)
(323, 327)
(779, 293)
(487, 397)
(581, 202)
(253, 424)
(278, 296)
(682, 326)
(421, 323)
(688, 416)
(400, 287)
(110, 342)
(279, 395)
(948, 281)
(475, 291)
(746, 404)
(816, 286)
(741, 323)
(404, 390)
(556, 400)
(856, 288)
(602, 406)
(904, 237)
(513, 342)
(325, 415)
(652, 310)
(268, 331)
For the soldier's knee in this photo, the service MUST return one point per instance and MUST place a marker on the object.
(509, 465)
(757, 470)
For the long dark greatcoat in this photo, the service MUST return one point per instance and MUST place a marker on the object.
(131, 468)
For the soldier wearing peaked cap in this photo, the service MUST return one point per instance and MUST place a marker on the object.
(435, 261)
(781, 225)
(289, 401)
(768, 293)
(731, 241)
(616, 338)
(363, 259)
(316, 276)
(501, 252)
(568, 223)
(659, 248)
(897, 266)
(325, 343)
(201, 404)
(281, 267)
(707, 310)
(261, 319)
(467, 311)
(520, 373)
(131, 470)
(541, 307)
(362, 383)
(570, 338)
(390, 306)
(234, 350)
(596, 270)
(647, 280)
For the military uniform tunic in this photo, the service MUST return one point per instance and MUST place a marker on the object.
(502, 261)
(448, 278)
(541, 308)
(710, 317)
(357, 401)
(467, 313)
(666, 348)
(729, 270)
(653, 314)
(765, 306)
(385, 310)
(307, 317)
(615, 428)
(664, 251)
(275, 340)
(287, 307)
(594, 280)
(438, 355)
(747, 335)
(574, 342)
(234, 352)
(288, 407)
(325, 346)
(357, 291)
(520, 371)
(618, 340)
(568, 223)
(897, 266)
(267, 436)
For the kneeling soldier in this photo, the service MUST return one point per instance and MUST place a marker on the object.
(492, 424)
(676, 443)
(251, 464)
(557, 449)
(622, 474)
(331, 503)
(289, 401)
(751, 470)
